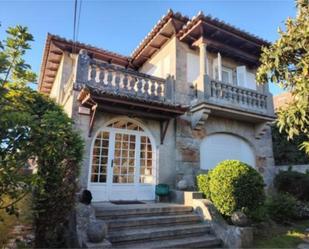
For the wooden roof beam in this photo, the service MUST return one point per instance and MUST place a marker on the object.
(232, 50)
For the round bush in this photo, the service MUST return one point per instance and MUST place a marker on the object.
(202, 182)
(235, 186)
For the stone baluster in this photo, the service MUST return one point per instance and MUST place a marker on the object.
(229, 93)
(241, 96)
(109, 79)
(146, 87)
(101, 76)
(93, 73)
(125, 82)
(139, 86)
(218, 89)
(153, 88)
(213, 89)
(132, 85)
(159, 89)
(223, 91)
(117, 81)
(234, 94)
(253, 99)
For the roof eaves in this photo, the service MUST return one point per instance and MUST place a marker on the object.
(222, 24)
(161, 22)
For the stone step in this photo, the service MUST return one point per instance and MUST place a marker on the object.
(138, 234)
(200, 241)
(164, 220)
(120, 213)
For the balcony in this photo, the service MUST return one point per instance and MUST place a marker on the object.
(236, 97)
(118, 90)
(114, 80)
(230, 101)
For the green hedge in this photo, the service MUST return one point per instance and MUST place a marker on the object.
(236, 186)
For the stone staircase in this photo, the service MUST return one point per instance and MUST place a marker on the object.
(156, 226)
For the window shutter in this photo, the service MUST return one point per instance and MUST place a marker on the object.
(215, 69)
(251, 83)
(241, 76)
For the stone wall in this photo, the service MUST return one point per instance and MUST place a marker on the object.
(188, 145)
(165, 164)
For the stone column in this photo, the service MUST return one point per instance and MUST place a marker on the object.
(219, 67)
(204, 67)
(204, 70)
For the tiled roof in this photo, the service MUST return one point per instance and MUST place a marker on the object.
(224, 25)
(121, 95)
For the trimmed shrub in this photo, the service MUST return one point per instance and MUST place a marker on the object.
(236, 186)
(203, 184)
(281, 207)
(294, 183)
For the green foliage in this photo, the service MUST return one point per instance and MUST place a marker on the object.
(236, 186)
(35, 127)
(13, 67)
(202, 181)
(287, 152)
(286, 63)
(281, 207)
(14, 119)
(294, 183)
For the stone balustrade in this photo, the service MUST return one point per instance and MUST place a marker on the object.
(238, 97)
(118, 80)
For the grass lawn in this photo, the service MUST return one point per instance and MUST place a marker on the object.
(9, 221)
(283, 236)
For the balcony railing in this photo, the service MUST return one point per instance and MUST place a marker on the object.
(118, 80)
(237, 97)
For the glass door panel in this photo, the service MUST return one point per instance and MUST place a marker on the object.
(100, 158)
(146, 161)
(124, 158)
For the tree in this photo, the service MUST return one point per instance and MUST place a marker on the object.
(286, 63)
(14, 118)
(33, 126)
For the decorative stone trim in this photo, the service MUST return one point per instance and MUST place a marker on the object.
(199, 115)
(261, 129)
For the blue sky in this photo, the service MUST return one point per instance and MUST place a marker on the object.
(119, 26)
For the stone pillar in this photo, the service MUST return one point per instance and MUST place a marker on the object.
(219, 67)
(82, 67)
(204, 70)
(204, 67)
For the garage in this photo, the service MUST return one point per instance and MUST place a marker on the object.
(221, 146)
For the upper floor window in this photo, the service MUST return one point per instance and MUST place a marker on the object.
(227, 75)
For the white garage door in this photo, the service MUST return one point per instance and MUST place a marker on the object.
(218, 147)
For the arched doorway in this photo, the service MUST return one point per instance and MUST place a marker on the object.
(222, 146)
(123, 162)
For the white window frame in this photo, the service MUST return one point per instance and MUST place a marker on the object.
(229, 71)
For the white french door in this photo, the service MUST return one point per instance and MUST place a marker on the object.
(123, 166)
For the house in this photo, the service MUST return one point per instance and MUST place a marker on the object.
(184, 100)
(282, 100)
